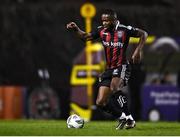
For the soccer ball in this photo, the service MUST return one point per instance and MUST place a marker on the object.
(75, 121)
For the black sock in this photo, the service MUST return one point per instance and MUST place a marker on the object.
(120, 100)
(112, 109)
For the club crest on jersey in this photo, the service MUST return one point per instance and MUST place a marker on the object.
(120, 33)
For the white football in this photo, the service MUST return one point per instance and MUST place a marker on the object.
(75, 121)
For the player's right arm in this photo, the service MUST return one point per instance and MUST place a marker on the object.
(83, 35)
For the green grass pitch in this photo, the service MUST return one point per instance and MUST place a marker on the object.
(92, 128)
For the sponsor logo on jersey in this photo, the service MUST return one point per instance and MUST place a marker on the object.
(112, 44)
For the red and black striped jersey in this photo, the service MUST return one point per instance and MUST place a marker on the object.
(115, 43)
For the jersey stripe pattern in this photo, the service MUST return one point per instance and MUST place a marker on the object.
(115, 43)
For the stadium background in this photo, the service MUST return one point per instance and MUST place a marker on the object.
(37, 52)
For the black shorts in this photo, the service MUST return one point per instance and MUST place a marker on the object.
(122, 72)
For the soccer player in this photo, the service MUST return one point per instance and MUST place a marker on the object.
(115, 38)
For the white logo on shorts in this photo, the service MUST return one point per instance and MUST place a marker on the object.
(115, 72)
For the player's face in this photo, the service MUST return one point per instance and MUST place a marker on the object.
(107, 21)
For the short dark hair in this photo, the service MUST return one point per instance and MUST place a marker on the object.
(110, 12)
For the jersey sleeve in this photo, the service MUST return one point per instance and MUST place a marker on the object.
(132, 32)
(96, 33)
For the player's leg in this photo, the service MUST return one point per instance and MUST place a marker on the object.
(119, 97)
(103, 100)
(120, 100)
(119, 80)
(103, 94)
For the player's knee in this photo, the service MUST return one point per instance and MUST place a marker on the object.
(114, 88)
(100, 102)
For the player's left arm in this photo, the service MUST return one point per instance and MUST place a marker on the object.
(137, 55)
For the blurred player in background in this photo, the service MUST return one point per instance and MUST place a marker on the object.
(115, 38)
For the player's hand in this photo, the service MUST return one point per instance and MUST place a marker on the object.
(72, 26)
(137, 56)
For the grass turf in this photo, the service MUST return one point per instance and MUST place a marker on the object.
(92, 128)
